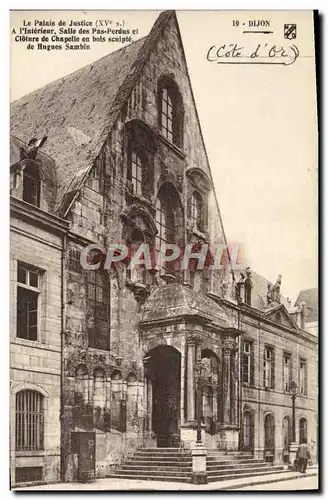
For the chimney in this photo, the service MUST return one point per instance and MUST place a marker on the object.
(303, 314)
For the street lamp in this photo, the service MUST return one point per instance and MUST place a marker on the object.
(293, 388)
(199, 370)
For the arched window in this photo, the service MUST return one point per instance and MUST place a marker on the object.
(170, 111)
(29, 421)
(81, 389)
(303, 430)
(98, 309)
(31, 185)
(248, 431)
(99, 388)
(197, 210)
(168, 220)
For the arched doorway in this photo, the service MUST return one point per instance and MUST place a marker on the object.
(303, 430)
(248, 431)
(286, 432)
(269, 437)
(163, 372)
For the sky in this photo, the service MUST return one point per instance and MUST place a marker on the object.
(259, 125)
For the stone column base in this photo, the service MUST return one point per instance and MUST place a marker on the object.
(198, 454)
(188, 433)
(259, 453)
(293, 447)
(228, 438)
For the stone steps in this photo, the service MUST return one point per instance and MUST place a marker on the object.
(271, 470)
(174, 464)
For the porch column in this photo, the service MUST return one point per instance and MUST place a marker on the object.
(182, 389)
(191, 357)
(234, 387)
(226, 382)
(149, 387)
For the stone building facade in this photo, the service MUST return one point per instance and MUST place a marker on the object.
(36, 322)
(131, 167)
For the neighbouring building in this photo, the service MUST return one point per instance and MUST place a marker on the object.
(126, 163)
(36, 305)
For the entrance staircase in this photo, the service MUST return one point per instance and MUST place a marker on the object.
(174, 464)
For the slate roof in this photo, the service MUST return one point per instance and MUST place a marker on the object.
(310, 297)
(78, 111)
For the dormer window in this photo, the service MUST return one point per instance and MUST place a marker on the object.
(31, 185)
(197, 210)
(170, 111)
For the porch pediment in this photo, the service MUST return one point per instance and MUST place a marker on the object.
(280, 315)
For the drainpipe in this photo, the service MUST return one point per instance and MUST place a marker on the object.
(62, 360)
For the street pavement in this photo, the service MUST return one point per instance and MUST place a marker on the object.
(282, 481)
(302, 483)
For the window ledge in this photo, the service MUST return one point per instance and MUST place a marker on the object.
(201, 234)
(140, 198)
(175, 148)
(32, 343)
(30, 453)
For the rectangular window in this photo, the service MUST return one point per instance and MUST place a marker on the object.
(268, 367)
(31, 189)
(29, 421)
(136, 173)
(28, 474)
(246, 362)
(302, 376)
(28, 291)
(98, 290)
(167, 115)
(286, 371)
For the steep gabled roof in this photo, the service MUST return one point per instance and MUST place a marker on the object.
(310, 297)
(78, 111)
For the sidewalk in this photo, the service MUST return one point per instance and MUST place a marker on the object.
(112, 484)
